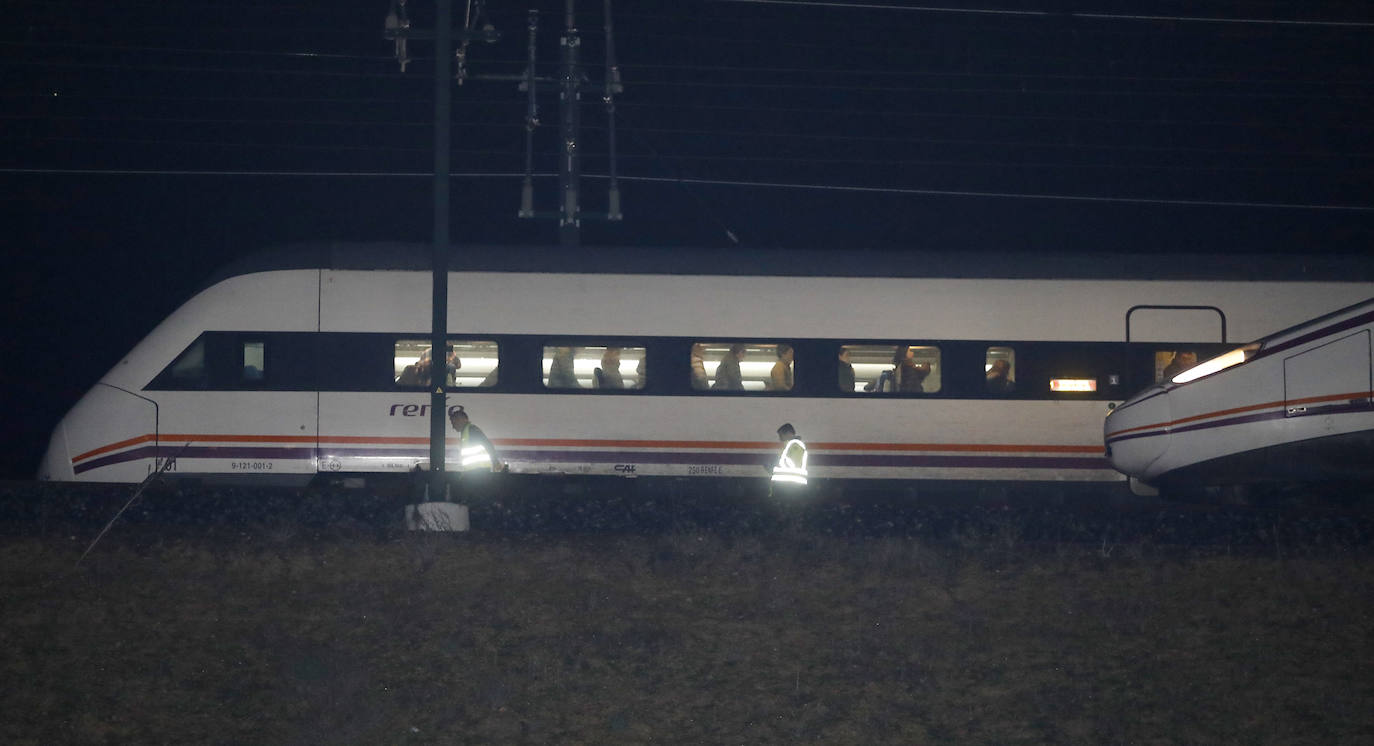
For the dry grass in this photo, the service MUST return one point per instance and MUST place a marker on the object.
(686, 638)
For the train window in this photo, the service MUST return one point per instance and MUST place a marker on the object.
(471, 363)
(253, 360)
(911, 369)
(189, 367)
(1000, 369)
(741, 366)
(474, 363)
(594, 367)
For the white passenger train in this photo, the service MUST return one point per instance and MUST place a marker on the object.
(312, 361)
(1294, 405)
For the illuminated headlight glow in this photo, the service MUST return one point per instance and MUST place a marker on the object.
(1073, 384)
(1218, 363)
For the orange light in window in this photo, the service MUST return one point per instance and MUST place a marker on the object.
(1073, 384)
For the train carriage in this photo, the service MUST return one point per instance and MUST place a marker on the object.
(302, 363)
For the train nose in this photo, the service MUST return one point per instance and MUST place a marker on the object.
(56, 465)
(1136, 434)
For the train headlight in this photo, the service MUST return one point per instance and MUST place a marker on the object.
(1218, 363)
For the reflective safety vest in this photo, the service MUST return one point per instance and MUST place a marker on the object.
(474, 454)
(791, 468)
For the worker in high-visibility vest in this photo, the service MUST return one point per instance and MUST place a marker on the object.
(476, 453)
(791, 468)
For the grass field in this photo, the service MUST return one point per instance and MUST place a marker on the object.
(276, 634)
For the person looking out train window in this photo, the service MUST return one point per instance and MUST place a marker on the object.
(417, 373)
(907, 372)
(999, 377)
(780, 379)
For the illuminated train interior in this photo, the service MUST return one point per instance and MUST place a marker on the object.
(916, 368)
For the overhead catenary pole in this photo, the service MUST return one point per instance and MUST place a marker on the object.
(613, 87)
(570, 174)
(531, 87)
(438, 362)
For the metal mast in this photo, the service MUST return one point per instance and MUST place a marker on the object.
(438, 356)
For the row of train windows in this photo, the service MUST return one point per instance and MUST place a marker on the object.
(711, 366)
(706, 366)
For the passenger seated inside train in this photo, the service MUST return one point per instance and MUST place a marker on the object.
(608, 375)
(999, 377)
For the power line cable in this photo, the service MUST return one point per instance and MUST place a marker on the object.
(1058, 14)
(986, 163)
(710, 182)
(1019, 91)
(67, 94)
(1016, 75)
(716, 133)
(184, 50)
(929, 114)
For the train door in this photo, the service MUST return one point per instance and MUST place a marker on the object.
(1336, 374)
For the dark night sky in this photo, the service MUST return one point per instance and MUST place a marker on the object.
(146, 143)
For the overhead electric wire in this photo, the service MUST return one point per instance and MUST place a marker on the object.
(714, 134)
(1057, 14)
(384, 58)
(984, 163)
(1359, 126)
(141, 67)
(1007, 195)
(164, 142)
(1018, 75)
(1021, 91)
(709, 182)
(994, 143)
(66, 94)
(265, 121)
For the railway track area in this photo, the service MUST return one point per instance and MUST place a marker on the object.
(221, 615)
(1333, 518)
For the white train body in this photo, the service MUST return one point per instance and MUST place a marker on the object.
(125, 427)
(1292, 405)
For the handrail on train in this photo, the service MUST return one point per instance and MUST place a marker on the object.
(1133, 309)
